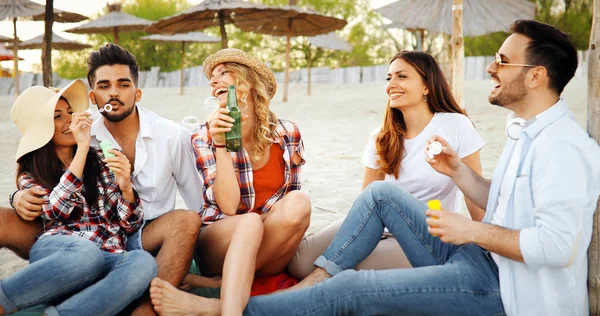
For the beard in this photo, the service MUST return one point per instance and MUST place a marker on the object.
(115, 118)
(512, 92)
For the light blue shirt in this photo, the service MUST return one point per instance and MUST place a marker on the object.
(553, 198)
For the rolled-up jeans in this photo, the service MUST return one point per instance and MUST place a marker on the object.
(446, 279)
(95, 282)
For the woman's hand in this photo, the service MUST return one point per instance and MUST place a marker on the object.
(80, 127)
(120, 166)
(447, 162)
(220, 123)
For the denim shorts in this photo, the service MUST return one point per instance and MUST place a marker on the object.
(134, 241)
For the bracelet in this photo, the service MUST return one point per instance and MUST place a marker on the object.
(218, 146)
(11, 197)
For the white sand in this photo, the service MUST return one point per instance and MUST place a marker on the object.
(335, 122)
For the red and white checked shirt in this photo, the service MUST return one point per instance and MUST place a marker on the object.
(287, 136)
(66, 212)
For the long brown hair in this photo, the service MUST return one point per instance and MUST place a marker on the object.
(46, 169)
(390, 140)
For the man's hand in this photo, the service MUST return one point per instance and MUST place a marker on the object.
(447, 162)
(28, 203)
(451, 227)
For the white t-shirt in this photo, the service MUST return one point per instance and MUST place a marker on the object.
(416, 176)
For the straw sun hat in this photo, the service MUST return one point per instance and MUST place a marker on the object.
(33, 113)
(233, 55)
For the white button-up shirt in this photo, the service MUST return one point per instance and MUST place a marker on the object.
(164, 162)
(553, 196)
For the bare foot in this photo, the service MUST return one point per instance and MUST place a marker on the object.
(168, 300)
(317, 276)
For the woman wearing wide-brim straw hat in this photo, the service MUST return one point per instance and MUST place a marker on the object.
(254, 214)
(89, 205)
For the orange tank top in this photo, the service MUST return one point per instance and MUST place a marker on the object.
(269, 178)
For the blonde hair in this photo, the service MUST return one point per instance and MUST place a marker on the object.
(254, 90)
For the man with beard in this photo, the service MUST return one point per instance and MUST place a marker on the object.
(162, 161)
(527, 257)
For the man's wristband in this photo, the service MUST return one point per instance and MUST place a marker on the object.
(218, 146)
(11, 198)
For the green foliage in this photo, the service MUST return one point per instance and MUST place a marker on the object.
(71, 64)
(571, 16)
(371, 45)
(148, 53)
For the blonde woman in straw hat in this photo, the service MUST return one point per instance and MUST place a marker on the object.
(254, 214)
(78, 261)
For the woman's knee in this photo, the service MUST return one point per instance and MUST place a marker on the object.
(142, 269)
(250, 223)
(297, 209)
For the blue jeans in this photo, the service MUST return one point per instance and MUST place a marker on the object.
(95, 282)
(446, 279)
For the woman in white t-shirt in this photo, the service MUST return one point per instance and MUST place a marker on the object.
(420, 105)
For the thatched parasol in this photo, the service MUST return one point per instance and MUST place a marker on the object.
(58, 43)
(295, 21)
(211, 13)
(113, 22)
(6, 54)
(25, 9)
(4, 39)
(329, 41)
(480, 16)
(195, 37)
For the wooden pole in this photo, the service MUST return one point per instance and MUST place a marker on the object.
(593, 128)
(16, 75)
(308, 66)
(182, 69)
(286, 78)
(47, 44)
(116, 38)
(458, 50)
(222, 28)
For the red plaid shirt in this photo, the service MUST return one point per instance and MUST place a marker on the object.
(287, 136)
(66, 212)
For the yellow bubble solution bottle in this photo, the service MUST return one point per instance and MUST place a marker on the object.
(434, 205)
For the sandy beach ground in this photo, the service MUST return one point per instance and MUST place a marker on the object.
(335, 123)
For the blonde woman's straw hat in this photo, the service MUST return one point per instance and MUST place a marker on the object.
(33, 113)
(233, 55)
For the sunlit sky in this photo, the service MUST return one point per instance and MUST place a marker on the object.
(30, 29)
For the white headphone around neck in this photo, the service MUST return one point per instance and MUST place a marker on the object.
(514, 125)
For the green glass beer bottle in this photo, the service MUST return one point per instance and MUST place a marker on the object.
(233, 138)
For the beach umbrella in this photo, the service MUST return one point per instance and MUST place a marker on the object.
(445, 16)
(6, 54)
(210, 13)
(294, 21)
(192, 37)
(58, 43)
(113, 22)
(328, 41)
(4, 39)
(25, 9)
(480, 16)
